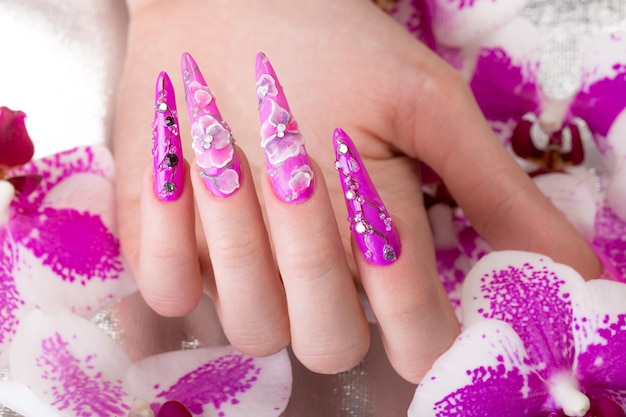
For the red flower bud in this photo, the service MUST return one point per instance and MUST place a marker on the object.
(16, 148)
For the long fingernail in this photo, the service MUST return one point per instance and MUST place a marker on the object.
(169, 173)
(213, 142)
(369, 220)
(288, 164)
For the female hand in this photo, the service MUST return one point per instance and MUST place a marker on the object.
(343, 64)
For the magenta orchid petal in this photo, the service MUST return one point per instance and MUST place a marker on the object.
(72, 365)
(215, 381)
(17, 147)
(21, 399)
(505, 76)
(615, 159)
(602, 95)
(458, 23)
(574, 197)
(600, 339)
(67, 256)
(12, 305)
(529, 292)
(485, 373)
(610, 240)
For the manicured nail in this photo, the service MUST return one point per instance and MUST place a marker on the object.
(169, 173)
(288, 164)
(213, 142)
(369, 220)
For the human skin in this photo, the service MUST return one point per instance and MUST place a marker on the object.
(343, 64)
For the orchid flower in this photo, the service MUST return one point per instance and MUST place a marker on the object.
(75, 368)
(59, 250)
(538, 341)
(549, 136)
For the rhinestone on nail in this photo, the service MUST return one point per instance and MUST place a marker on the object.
(169, 121)
(342, 148)
(171, 160)
(162, 107)
(280, 130)
(169, 187)
(388, 253)
(350, 195)
(360, 228)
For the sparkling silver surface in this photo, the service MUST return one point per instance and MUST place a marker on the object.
(565, 26)
(60, 64)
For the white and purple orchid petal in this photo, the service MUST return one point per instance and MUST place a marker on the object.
(67, 254)
(59, 167)
(72, 365)
(573, 197)
(68, 259)
(12, 304)
(215, 382)
(602, 95)
(600, 338)
(458, 23)
(610, 240)
(226, 182)
(21, 399)
(505, 75)
(484, 373)
(615, 159)
(531, 293)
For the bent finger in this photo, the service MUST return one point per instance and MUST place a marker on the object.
(169, 272)
(416, 319)
(329, 331)
(250, 298)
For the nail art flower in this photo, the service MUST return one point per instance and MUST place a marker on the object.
(538, 341)
(280, 136)
(71, 365)
(213, 143)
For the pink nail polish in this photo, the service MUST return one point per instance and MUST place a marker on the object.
(213, 142)
(288, 164)
(369, 220)
(169, 173)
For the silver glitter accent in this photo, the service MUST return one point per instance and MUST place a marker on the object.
(360, 228)
(388, 253)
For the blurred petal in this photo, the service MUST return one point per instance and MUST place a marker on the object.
(68, 255)
(462, 22)
(19, 398)
(415, 17)
(600, 338)
(215, 381)
(485, 373)
(610, 240)
(505, 77)
(72, 365)
(573, 197)
(531, 293)
(615, 158)
(602, 94)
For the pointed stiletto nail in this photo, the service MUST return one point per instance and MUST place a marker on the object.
(369, 220)
(169, 173)
(288, 164)
(213, 142)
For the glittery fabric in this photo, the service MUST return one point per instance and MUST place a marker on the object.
(61, 59)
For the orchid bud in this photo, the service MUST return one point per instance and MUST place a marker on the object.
(16, 148)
